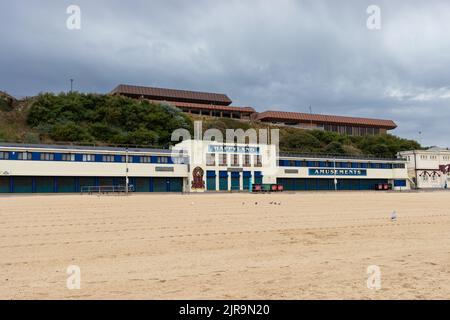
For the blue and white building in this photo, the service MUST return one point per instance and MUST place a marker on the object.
(220, 167)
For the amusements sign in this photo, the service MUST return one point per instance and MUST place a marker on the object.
(339, 172)
(232, 149)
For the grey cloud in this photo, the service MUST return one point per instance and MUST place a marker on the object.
(282, 55)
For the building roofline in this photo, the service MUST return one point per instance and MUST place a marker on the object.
(444, 150)
(81, 147)
(172, 94)
(93, 148)
(325, 118)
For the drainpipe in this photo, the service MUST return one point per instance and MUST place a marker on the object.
(335, 177)
(415, 169)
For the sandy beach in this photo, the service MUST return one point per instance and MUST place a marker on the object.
(226, 246)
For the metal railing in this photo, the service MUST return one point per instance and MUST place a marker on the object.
(86, 144)
(106, 189)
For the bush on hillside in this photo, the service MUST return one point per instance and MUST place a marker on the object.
(104, 118)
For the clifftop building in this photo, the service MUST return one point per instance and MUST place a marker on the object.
(193, 102)
(345, 125)
(219, 105)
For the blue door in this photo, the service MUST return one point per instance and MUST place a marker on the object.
(235, 180)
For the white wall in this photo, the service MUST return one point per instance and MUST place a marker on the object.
(424, 164)
(80, 169)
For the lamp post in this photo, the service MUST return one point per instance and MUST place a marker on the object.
(334, 170)
(126, 171)
(71, 85)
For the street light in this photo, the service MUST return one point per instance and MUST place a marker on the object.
(71, 85)
(335, 179)
(126, 170)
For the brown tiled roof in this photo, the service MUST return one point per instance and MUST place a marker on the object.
(172, 94)
(319, 118)
(207, 106)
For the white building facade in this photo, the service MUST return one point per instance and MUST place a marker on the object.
(428, 169)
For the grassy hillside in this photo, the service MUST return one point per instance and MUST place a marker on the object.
(103, 119)
(318, 141)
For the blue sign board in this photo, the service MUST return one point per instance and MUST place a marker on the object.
(232, 149)
(339, 172)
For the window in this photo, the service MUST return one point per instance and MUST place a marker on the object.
(145, 159)
(124, 158)
(47, 156)
(88, 157)
(162, 160)
(235, 160)
(363, 131)
(345, 165)
(4, 155)
(108, 158)
(24, 156)
(210, 159)
(223, 160)
(67, 157)
(179, 160)
(258, 161)
(246, 160)
(313, 164)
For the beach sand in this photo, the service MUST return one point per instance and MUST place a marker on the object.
(315, 245)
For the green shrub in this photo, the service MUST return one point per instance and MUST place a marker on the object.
(105, 118)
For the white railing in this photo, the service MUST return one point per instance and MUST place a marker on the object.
(106, 189)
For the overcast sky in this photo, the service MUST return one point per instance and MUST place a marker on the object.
(277, 55)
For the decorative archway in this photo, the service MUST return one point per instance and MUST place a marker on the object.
(197, 179)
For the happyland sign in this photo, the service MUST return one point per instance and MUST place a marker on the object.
(232, 149)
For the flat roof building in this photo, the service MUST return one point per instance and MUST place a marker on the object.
(192, 102)
(219, 105)
(344, 125)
